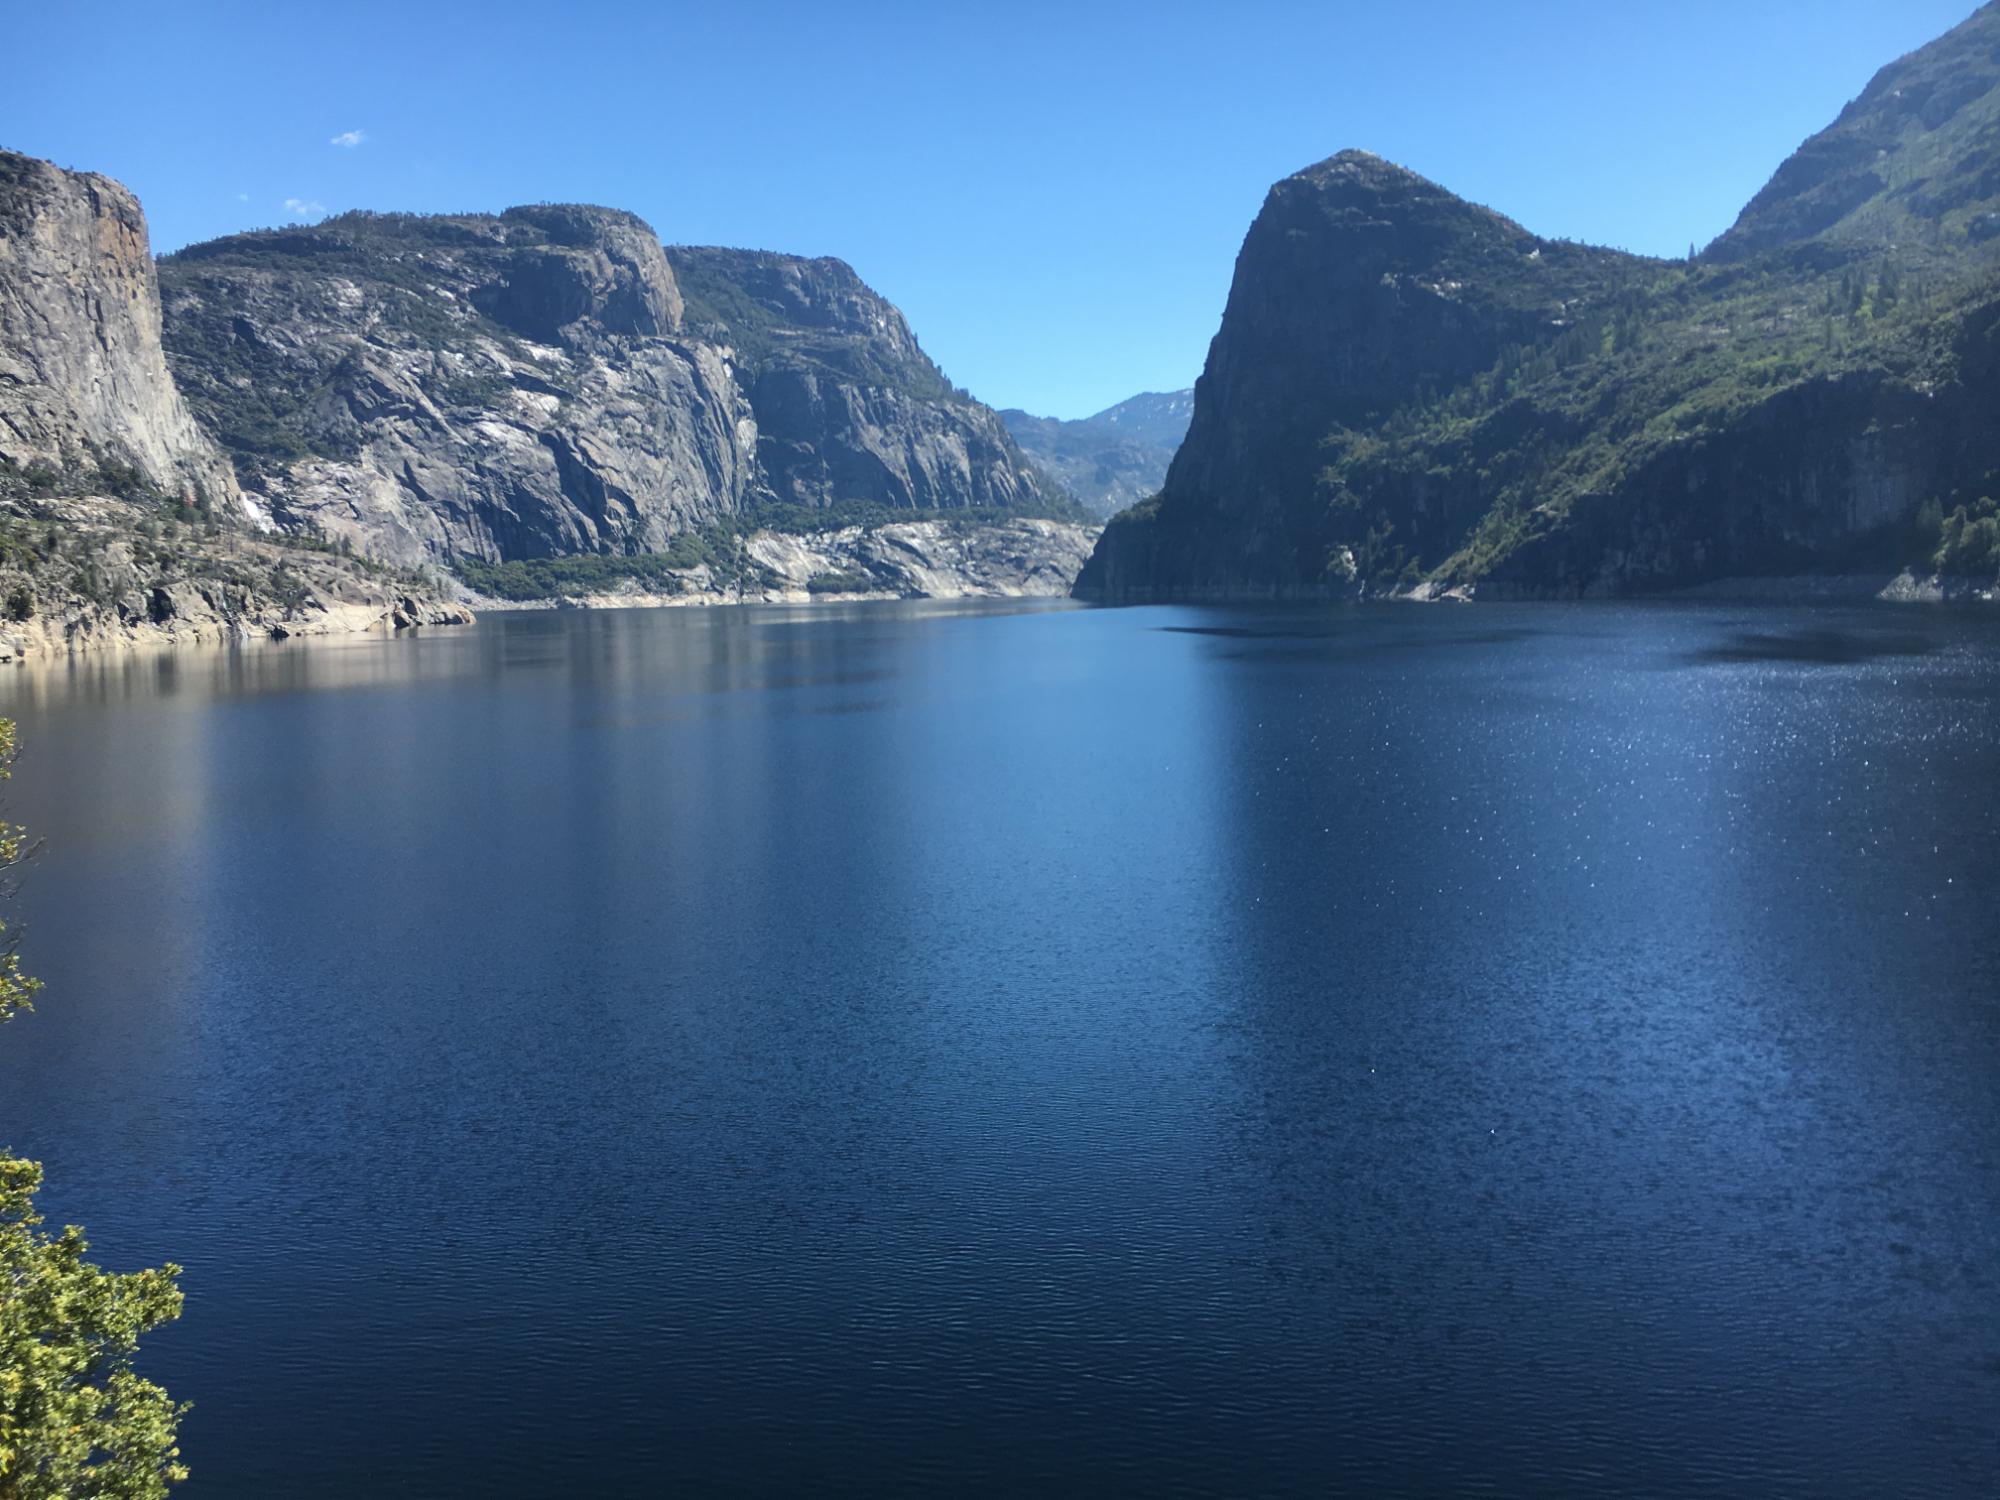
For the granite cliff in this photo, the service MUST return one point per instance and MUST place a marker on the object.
(83, 379)
(549, 381)
(848, 409)
(120, 519)
(297, 429)
(431, 388)
(1412, 394)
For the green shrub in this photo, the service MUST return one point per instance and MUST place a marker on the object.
(552, 577)
(1969, 541)
(841, 583)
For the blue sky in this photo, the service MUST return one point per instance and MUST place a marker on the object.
(1054, 193)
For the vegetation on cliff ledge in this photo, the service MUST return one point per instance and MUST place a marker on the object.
(1673, 364)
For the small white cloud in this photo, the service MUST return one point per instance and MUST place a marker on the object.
(305, 208)
(242, 197)
(349, 138)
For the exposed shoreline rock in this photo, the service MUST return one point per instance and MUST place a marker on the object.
(1014, 559)
(1905, 587)
(92, 572)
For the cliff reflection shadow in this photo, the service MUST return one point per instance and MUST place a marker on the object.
(1354, 634)
(1835, 648)
(709, 650)
(1553, 1051)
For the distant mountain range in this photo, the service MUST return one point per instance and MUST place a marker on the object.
(1412, 394)
(1113, 459)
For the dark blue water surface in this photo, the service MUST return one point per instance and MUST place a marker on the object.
(907, 1049)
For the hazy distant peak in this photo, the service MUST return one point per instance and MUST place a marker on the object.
(1162, 414)
(1114, 457)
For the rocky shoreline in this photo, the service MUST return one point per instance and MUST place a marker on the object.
(1905, 587)
(92, 572)
(1013, 559)
(111, 581)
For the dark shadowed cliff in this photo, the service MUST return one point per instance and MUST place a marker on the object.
(1412, 393)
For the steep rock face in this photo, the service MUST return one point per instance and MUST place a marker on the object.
(471, 386)
(1409, 394)
(83, 380)
(848, 407)
(1113, 458)
(598, 268)
(1361, 287)
(550, 381)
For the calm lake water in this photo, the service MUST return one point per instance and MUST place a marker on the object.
(914, 1049)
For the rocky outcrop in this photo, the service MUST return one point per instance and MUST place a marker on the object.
(848, 409)
(927, 560)
(87, 572)
(597, 269)
(549, 381)
(952, 558)
(476, 386)
(1113, 459)
(83, 380)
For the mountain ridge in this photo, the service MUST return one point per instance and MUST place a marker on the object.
(1915, 156)
(552, 380)
(1413, 394)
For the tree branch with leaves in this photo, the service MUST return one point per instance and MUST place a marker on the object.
(76, 1421)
